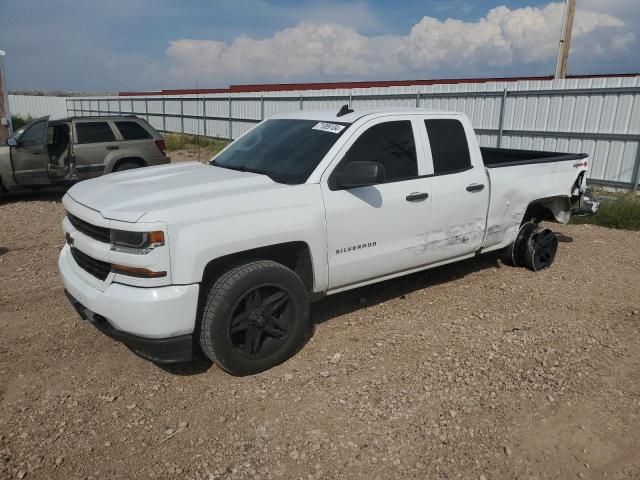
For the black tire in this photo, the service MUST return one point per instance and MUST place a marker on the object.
(515, 253)
(127, 166)
(540, 249)
(255, 317)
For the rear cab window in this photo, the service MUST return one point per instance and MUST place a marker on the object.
(449, 146)
(94, 132)
(132, 131)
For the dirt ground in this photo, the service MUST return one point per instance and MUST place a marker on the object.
(472, 371)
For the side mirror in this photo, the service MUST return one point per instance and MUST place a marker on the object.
(359, 174)
(12, 142)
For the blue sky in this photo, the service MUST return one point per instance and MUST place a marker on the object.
(151, 44)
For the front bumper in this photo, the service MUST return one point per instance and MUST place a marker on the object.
(156, 322)
(158, 350)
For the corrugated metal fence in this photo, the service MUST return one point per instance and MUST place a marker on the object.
(598, 116)
(38, 106)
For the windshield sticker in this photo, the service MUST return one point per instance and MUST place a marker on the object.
(328, 127)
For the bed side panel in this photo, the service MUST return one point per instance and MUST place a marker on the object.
(514, 188)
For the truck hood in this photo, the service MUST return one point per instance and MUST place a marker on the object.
(130, 195)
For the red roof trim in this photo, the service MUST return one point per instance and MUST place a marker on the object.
(282, 87)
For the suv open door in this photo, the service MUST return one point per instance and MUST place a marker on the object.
(29, 155)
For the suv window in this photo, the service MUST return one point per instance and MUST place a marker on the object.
(449, 147)
(133, 131)
(35, 135)
(94, 132)
(391, 144)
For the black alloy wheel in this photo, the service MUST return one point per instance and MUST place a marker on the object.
(254, 317)
(261, 321)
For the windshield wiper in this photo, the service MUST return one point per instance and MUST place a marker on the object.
(238, 168)
(243, 169)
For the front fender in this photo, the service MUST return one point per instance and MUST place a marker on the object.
(275, 221)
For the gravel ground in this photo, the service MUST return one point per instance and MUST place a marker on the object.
(473, 371)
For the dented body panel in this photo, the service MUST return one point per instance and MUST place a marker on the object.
(515, 188)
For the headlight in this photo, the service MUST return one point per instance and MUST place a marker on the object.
(139, 243)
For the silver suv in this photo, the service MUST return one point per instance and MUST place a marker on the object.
(61, 152)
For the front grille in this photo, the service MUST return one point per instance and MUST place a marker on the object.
(97, 233)
(97, 268)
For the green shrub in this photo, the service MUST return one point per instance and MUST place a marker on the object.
(179, 141)
(19, 121)
(621, 212)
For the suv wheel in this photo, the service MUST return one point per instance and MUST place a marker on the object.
(255, 317)
(127, 166)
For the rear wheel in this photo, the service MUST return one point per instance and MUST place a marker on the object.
(514, 254)
(255, 317)
(541, 248)
(535, 247)
(127, 166)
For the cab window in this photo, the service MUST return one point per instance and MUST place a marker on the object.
(449, 147)
(389, 143)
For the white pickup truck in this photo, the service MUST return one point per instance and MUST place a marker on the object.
(226, 257)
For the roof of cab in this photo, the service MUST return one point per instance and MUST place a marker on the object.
(332, 115)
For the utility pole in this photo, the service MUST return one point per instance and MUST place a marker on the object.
(565, 39)
(5, 116)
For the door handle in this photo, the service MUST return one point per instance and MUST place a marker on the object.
(475, 187)
(112, 147)
(416, 197)
(36, 152)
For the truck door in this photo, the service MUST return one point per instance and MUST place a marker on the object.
(376, 230)
(459, 189)
(29, 157)
(94, 140)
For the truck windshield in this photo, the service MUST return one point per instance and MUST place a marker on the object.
(285, 150)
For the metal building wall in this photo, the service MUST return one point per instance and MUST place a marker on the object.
(598, 116)
(38, 106)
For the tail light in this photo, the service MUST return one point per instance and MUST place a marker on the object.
(161, 145)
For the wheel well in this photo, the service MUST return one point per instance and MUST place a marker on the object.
(554, 209)
(294, 255)
(137, 160)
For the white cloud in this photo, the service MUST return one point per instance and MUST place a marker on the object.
(505, 39)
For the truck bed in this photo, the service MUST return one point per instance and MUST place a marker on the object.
(505, 157)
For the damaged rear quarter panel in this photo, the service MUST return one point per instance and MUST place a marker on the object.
(513, 188)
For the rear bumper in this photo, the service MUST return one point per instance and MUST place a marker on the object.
(158, 350)
(587, 205)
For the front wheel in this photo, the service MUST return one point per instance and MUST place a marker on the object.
(256, 316)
